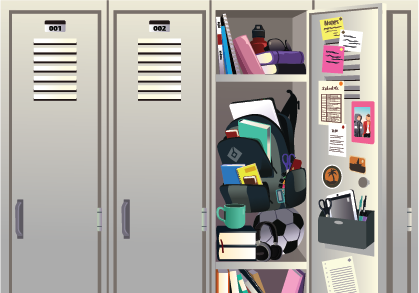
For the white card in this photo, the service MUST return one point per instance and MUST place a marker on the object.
(337, 140)
(351, 40)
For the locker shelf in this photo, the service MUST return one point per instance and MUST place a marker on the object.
(261, 78)
(294, 260)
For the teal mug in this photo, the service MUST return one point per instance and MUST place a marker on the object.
(235, 215)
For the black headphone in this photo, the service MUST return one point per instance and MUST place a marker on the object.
(264, 251)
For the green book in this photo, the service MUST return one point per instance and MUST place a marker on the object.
(257, 131)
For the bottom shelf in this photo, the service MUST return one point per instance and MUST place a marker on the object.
(261, 280)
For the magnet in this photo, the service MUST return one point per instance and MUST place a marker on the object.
(332, 176)
(363, 182)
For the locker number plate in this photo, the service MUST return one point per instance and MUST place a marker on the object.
(159, 26)
(55, 26)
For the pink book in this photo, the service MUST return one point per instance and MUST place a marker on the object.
(293, 281)
(247, 57)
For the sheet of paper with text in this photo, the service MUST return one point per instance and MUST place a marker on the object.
(340, 275)
(337, 140)
(331, 102)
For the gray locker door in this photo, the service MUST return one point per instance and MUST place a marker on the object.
(54, 153)
(159, 153)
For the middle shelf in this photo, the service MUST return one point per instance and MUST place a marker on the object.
(294, 260)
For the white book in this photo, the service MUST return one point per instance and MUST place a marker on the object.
(220, 55)
(233, 282)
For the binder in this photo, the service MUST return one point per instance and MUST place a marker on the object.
(231, 47)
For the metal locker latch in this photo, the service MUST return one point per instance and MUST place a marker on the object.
(204, 219)
(99, 219)
(409, 219)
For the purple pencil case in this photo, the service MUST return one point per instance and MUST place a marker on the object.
(280, 57)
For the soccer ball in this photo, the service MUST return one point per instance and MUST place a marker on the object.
(288, 223)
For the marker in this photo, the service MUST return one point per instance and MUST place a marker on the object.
(359, 209)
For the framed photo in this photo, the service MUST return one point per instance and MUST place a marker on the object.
(363, 126)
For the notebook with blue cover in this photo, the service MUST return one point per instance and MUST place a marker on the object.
(229, 173)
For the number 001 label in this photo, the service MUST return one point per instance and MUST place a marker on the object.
(55, 26)
(157, 26)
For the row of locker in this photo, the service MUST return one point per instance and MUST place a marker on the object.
(59, 151)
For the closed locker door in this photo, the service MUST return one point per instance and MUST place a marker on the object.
(54, 157)
(159, 152)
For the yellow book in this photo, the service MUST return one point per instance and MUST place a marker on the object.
(249, 170)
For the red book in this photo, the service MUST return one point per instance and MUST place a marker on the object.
(232, 133)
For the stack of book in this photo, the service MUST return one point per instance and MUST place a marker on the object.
(236, 244)
(237, 56)
(249, 281)
(238, 281)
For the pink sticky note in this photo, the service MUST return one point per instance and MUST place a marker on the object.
(333, 59)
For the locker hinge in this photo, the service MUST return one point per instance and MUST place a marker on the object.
(99, 219)
(409, 219)
(204, 219)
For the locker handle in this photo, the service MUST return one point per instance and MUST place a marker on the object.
(19, 218)
(126, 219)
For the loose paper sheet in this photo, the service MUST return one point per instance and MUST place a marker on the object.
(340, 272)
(337, 140)
(351, 40)
(331, 28)
(333, 57)
(331, 102)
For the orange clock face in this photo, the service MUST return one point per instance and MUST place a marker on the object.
(332, 176)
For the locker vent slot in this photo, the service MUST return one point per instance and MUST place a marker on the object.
(351, 66)
(55, 57)
(159, 68)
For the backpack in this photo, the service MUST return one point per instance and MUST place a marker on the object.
(259, 198)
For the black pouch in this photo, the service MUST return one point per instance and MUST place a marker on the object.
(254, 197)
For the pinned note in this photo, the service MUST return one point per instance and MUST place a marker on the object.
(337, 140)
(351, 40)
(331, 28)
(331, 102)
(333, 59)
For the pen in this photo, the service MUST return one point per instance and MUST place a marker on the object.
(359, 209)
(363, 210)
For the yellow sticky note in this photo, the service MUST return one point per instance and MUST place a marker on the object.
(331, 28)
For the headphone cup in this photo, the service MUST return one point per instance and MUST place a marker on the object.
(263, 252)
(276, 252)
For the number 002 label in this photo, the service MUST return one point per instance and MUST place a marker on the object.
(157, 26)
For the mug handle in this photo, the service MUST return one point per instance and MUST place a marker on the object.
(218, 216)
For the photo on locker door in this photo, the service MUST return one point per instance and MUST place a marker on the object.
(363, 130)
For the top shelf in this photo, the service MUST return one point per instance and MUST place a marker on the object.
(261, 78)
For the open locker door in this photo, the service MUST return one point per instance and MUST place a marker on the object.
(363, 80)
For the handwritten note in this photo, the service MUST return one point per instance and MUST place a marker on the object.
(333, 59)
(351, 40)
(331, 28)
(337, 140)
(331, 102)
